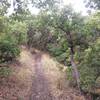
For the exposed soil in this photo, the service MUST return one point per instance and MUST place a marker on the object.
(36, 77)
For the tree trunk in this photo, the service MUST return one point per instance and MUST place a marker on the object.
(73, 64)
(74, 69)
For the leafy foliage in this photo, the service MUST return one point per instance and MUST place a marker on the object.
(89, 67)
(8, 51)
(18, 31)
(93, 4)
(4, 5)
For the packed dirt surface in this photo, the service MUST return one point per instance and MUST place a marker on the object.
(36, 76)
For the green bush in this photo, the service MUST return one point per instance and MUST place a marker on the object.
(19, 31)
(8, 51)
(5, 71)
(60, 52)
(89, 67)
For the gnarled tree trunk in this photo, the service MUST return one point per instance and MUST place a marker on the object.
(73, 64)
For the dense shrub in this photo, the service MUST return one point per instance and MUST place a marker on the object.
(8, 51)
(19, 31)
(89, 67)
(59, 49)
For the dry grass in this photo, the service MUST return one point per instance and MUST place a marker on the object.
(18, 85)
(57, 78)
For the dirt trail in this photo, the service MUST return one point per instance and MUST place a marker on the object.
(40, 88)
(38, 77)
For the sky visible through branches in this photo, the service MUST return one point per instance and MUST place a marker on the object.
(78, 5)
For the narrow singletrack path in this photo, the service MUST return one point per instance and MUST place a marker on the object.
(40, 88)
